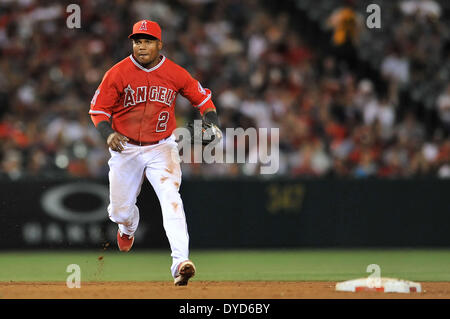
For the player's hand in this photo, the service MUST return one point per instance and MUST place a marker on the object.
(213, 134)
(116, 141)
(204, 134)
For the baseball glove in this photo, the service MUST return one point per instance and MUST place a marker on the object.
(204, 133)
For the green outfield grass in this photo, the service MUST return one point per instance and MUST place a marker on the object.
(242, 265)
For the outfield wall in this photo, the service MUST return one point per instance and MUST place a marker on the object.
(235, 214)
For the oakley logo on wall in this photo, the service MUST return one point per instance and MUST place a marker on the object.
(55, 202)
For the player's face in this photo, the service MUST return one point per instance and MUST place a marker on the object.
(146, 51)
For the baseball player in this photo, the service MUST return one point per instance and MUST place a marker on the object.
(133, 109)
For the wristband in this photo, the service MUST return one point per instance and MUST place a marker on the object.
(105, 129)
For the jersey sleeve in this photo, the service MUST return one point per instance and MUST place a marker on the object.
(199, 97)
(105, 97)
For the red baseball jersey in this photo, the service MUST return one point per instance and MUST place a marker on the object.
(140, 102)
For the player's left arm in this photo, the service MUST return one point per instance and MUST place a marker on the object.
(201, 98)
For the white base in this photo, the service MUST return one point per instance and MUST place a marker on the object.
(379, 285)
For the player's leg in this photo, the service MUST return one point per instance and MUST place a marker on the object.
(164, 173)
(126, 175)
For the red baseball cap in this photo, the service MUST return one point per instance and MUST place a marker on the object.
(147, 27)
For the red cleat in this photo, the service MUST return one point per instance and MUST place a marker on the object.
(186, 270)
(125, 242)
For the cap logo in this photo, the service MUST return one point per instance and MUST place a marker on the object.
(143, 26)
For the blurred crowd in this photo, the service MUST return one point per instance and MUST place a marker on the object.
(261, 70)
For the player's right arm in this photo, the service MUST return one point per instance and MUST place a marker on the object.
(106, 96)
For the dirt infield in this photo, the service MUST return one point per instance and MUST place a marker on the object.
(205, 290)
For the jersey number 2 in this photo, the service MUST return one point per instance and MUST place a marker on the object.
(163, 118)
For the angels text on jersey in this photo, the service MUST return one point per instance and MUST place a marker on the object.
(133, 96)
(155, 93)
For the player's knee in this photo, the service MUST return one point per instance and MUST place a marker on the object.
(170, 189)
(121, 214)
(170, 199)
(173, 208)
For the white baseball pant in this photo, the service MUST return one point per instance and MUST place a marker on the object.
(160, 163)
